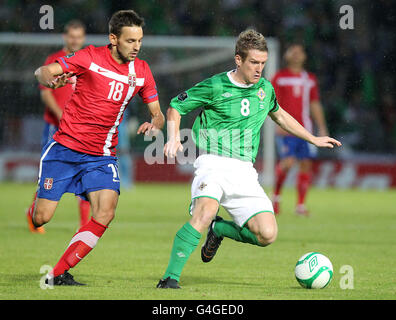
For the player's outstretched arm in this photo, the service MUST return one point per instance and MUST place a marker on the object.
(291, 125)
(157, 120)
(52, 76)
(173, 127)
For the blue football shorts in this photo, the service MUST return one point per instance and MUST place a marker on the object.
(290, 146)
(63, 170)
(48, 132)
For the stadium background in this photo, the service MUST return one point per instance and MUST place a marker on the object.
(352, 227)
(355, 69)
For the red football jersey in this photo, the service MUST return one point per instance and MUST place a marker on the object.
(104, 88)
(61, 95)
(295, 92)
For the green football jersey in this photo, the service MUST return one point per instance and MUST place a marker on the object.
(232, 114)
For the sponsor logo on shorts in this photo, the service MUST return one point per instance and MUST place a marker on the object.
(48, 183)
(202, 186)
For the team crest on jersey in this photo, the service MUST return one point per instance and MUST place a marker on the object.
(261, 94)
(48, 183)
(132, 80)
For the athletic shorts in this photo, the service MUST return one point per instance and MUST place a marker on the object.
(290, 146)
(48, 132)
(63, 170)
(233, 184)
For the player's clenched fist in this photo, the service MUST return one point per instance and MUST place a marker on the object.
(172, 147)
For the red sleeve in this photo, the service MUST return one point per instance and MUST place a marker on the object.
(149, 90)
(314, 92)
(77, 62)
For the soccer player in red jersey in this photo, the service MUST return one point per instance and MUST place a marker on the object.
(81, 158)
(55, 100)
(298, 93)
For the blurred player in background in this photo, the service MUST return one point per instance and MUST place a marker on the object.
(124, 153)
(81, 158)
(298, 93)
(234, 106)
(54, 101)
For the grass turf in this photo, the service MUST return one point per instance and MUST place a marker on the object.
(351, 227)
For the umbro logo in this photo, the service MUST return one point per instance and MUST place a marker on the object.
(227, 94)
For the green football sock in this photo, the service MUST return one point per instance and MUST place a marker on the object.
(231, 230)
(186, 240)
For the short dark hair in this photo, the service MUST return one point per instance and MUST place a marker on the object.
(294, 44)
(124, 18)
(291, 45)
(74, 24)
(250, 39)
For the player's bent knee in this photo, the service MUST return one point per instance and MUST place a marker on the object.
(41, 216)
(205, 208)
(265, 241)
(43, 211)
(203, 218)
(203, 215)
(264, 227)
(267, 235)
(104, 216)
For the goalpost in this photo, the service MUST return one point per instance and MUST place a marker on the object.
(177, 62)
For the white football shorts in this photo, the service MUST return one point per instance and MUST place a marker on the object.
(233, 183)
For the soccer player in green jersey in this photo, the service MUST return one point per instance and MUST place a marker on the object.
(234, 106)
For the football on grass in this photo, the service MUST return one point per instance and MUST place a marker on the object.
(314, 271)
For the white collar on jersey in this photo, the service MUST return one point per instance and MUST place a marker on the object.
(241, 85)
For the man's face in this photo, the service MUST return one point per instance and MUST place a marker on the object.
(129, 43)
(74, 39)
(252, 67)
(295, 55)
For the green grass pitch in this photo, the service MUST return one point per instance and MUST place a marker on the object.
(351, 227)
